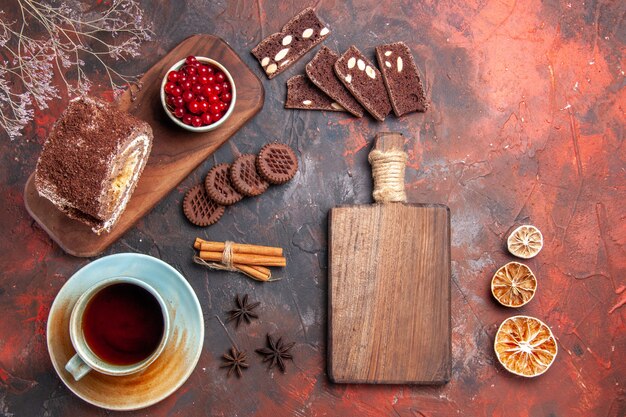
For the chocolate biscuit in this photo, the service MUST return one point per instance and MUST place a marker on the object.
(322, 73)
(364, 81)
(402, 78)
(302, 94)
(280, 50)
(219, 187)
(245, 178)
(199, 208)
(277, 163)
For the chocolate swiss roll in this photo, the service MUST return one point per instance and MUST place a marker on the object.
(92, 160)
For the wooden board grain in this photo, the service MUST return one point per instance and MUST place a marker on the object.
(389, 282)
(389, 294)
(175, 152)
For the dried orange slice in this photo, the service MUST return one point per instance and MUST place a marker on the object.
(513, 285)
(525, 241)
(525, 346)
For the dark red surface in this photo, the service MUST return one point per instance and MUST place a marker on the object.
(526, 125)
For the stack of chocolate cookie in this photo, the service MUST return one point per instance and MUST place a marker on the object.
(249, 176)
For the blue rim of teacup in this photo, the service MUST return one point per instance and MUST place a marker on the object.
(212, 126)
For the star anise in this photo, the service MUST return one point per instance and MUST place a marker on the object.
(235, 361)
(243, 311)
(276, 353)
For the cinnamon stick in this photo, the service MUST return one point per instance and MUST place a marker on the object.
(208, 246)
(257, 272)
(261, 269)
(245, 258)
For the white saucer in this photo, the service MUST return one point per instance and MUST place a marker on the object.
(172, 367)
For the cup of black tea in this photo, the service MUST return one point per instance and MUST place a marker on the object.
(117, 327)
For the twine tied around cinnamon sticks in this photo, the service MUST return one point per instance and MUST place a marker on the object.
(250, 260)
(388, 172)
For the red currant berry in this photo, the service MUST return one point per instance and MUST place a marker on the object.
(196, 121)
(210, 69)
(204, 106)
(207, 90)
(226, 97)
(222, 105)
(177, 91)
(193, 79)
(217, 89)
(220, 77)
(187, 119)
(194, 107)
(203, 70)
(210, 79)
(206, 118)
(216, 117)
(169, 99)
(215, 109)
(201, 97)
(178, 101)
(187, 96)
(203, 79)
(168, 87)
(179, 112)
(226, 86)
(190, 60)
(173, 76)
(197, 89)
(182, 77)
(186, 86)
(190, 70)
(213, 98)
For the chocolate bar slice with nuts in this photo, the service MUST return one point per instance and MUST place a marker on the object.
(364, 81)
(280, 50)
(321, 72)
(303, 94)
(402, 78)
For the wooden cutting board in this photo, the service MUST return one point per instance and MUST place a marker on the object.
(175, 152)
(389, 290)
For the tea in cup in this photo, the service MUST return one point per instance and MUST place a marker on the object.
(117, 327)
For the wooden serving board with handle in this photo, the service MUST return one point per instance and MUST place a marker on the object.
(175, 151)
(389, 290)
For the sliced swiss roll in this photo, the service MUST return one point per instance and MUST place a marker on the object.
(92, 160)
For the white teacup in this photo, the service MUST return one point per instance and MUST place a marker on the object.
(85, 360)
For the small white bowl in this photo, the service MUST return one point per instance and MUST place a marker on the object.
(212, 126)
